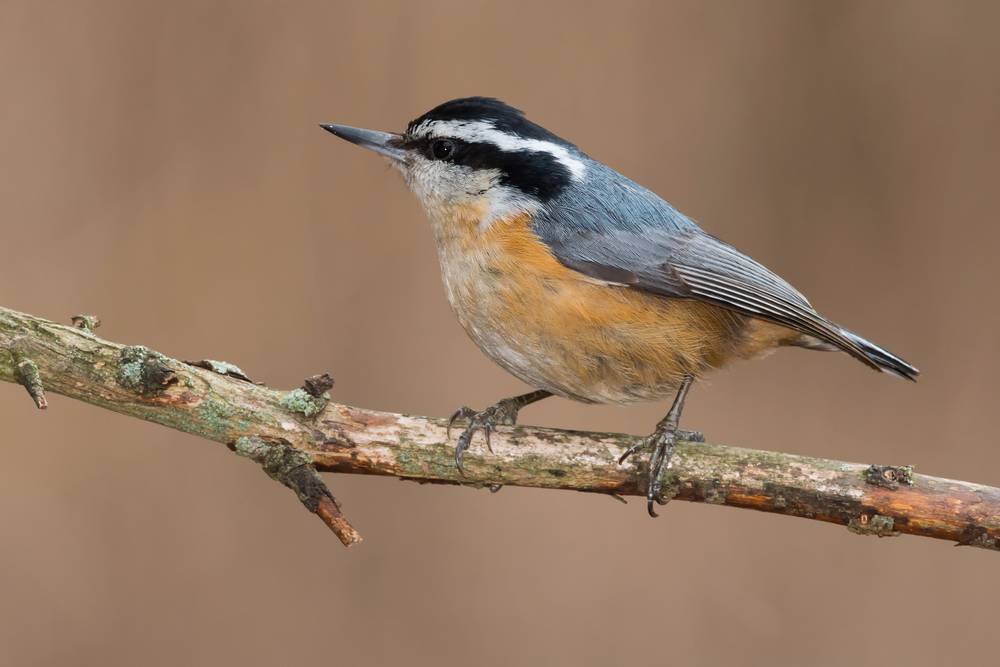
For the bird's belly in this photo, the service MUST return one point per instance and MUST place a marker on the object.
(587, 341)
(557, 329)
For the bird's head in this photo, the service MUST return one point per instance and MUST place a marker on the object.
(479, 154)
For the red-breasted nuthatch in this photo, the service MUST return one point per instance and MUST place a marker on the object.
(582, 283)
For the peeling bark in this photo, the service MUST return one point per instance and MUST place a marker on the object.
(321, 435)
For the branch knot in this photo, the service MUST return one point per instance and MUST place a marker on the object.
(889, 477)
(86, 322)
(873, 524)
(144, 371)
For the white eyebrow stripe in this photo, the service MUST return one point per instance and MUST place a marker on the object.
(484, 131)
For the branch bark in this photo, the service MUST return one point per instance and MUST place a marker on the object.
(294, 434)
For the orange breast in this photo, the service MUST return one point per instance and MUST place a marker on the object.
(559, 330)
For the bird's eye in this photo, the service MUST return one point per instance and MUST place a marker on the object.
(442, 149)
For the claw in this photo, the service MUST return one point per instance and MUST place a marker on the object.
(464, 412)
(662, 441)
(504, 412)
(476, 422)
(662, 444)
(464, 441)
(483, 421)
(632, 450)
(487, 430)
(649, 508)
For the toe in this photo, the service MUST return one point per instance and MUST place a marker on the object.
(649, 508)
(464, 412)
(487, 430)
(643, 444)
(463, 444)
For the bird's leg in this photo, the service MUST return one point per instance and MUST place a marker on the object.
(503, 413)
(662, 442)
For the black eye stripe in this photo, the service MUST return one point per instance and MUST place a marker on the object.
(426, 145)
(442, 149)
(535, 173)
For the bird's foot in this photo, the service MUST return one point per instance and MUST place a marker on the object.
(645, 443)
(662, 443)
(504, 413)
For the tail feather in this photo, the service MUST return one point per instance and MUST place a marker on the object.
(865, 351)
(886, 361)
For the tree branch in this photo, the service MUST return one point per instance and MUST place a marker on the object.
(294, 434)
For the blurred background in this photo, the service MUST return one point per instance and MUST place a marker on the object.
(162, 167)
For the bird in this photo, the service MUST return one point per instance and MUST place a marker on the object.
(584, 284)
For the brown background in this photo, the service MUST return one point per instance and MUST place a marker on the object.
(162, 167)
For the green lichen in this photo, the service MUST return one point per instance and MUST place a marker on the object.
(216, 416)
(144, 371)
(300, 401)
(875, 524)
(407, 463)
(277, 458)
(416, 461)
(252, 448)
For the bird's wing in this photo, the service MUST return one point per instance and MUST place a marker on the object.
(669, 255)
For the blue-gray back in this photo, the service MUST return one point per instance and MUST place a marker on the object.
(610, 228)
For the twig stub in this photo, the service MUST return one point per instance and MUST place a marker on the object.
(26, 372)
(317, 385)
(293, 468)
(85, 322)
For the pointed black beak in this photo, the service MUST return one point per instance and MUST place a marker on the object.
(384, 143)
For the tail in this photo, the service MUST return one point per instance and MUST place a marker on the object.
(870, 353)
(885, 360)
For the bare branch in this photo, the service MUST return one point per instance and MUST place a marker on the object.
(295, 434)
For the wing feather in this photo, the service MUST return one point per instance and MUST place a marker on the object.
(638, 240)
